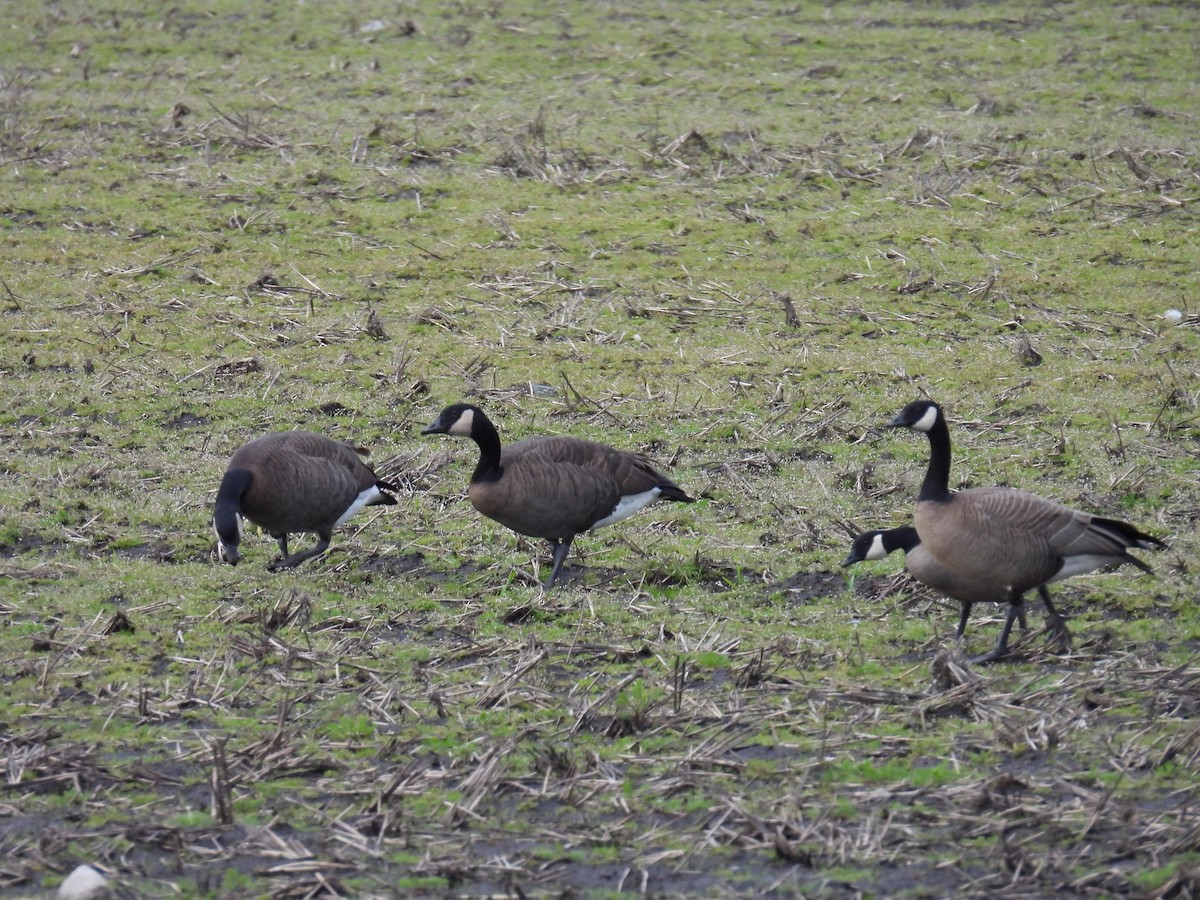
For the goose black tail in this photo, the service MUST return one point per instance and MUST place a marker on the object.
(676, 493)
(1126, 533)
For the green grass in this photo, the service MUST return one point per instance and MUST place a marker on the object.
(738, 239)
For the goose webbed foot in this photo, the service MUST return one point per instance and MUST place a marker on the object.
(995, 654)
(1016, 613)
(1059, 634)
(290, 562)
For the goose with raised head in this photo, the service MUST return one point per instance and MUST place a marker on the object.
(292, 482)
(1010, 539)
(554, 487)
(879, 543)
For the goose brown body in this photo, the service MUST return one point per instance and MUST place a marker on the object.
(292, 482)
(1011, 539)
(554, 487)
(924, 567)
(1022, 540)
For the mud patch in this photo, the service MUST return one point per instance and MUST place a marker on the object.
(155, 551)
(399, 564)
(807, 586)
(186, 420)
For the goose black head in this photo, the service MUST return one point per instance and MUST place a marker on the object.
(229, 535)
(456, 419)
(920, 415)
(868, 545)
(879, 542)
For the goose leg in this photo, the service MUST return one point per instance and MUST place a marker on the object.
(1016, 611)
(962, 620)
(290, 562)
(561, 548)
(1058, 625)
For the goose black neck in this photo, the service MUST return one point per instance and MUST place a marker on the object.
(937, 477)
(484, 433)
(229, 501)
(904, 538)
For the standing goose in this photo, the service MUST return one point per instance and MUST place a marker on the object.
(293, 481)
(924, 568)
(1008, 538)
(554, 487)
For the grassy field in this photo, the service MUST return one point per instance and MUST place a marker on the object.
(736, 237)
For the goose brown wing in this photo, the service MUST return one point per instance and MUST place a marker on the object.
(633, 473)
(542, 496)
(1070, 532)
(549, 450)
(636, 474)
(349, 457)
(339, 454)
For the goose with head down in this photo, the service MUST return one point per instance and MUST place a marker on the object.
(291, 482)
(1009, 539)
(921, 565)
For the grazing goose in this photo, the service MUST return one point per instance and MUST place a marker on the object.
(1008, 538)
(293, 481)
(924, 568)
(554, 487)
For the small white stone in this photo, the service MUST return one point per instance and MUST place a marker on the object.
(85, 883)
(1173, 316)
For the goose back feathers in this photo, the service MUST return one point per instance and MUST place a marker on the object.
(292, 482)
(554, 487)
(1010, 539)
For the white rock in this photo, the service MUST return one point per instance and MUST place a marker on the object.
(85, 883)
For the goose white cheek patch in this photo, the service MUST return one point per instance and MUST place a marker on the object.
(222, 552)
(925, 423)
(877, 551)
(463, 424)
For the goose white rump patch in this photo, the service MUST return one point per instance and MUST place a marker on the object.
(371, 493)
(1083, 563)
(628, 505)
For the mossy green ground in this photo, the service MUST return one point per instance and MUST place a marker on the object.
(737, 238)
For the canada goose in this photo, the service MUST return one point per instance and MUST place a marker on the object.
(293, 481)
(924, 568)
(554, 487)
(1012, 539)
